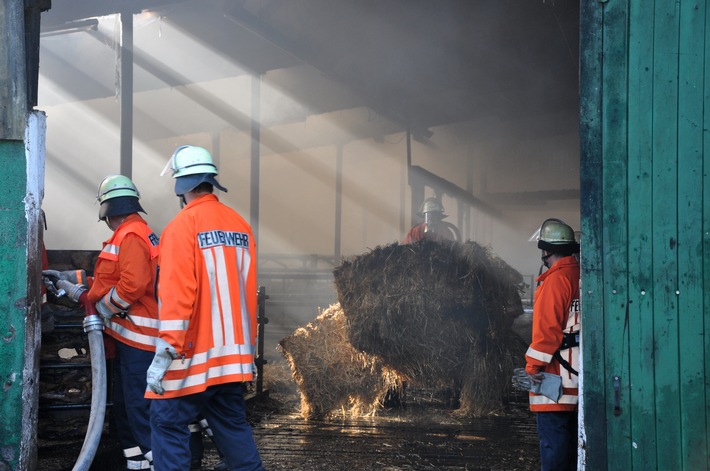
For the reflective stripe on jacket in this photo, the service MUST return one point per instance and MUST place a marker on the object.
(129, 261)
(207, 297)
(555, 312)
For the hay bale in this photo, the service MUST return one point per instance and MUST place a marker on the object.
(334, 378)
(427, 308)
(486, 375)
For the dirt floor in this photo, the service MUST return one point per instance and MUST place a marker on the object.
(419, 436)
(408, 439)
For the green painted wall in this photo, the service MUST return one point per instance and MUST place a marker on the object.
(14, 287)
(645, 115)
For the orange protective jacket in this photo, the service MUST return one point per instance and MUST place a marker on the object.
(208, 297)
(555, 311)
(418, 232)
(129, 261)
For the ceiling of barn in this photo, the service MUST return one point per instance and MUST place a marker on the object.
(418, 62)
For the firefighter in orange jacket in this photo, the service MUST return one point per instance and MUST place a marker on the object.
(122, 289)
(555, 345)
(434, 227)
(208, 304)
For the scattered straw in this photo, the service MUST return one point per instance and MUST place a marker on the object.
(334, 378)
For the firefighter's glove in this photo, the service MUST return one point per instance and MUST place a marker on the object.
(112, 304)
(78, 277)
(72, 289)
(164, 356)
(525, 382)
(547, 384)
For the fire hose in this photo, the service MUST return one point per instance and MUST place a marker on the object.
(93, 326)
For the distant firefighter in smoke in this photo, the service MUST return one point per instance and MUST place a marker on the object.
(434, 227)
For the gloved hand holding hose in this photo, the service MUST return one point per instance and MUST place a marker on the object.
(78, 277)
(111, 304)
(164, 356)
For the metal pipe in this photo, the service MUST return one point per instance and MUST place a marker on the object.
(262, 320)
(338, 200)
(126, 65)
(255, 155)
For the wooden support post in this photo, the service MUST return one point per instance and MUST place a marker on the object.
(22, 160)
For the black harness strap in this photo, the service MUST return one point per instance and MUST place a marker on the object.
(569, 340)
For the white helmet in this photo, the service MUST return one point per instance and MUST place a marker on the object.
(558, 237)
(432, 205)
(192, 165)
(189, 160)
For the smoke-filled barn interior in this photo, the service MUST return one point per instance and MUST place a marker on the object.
(332, 123)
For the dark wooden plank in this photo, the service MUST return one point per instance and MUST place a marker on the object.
(665, 234)
(13, 74)
(640, 192)
(614, 126)
(593, 397)
(690, 210)
(706, 230)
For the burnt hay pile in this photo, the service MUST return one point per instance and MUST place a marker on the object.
(436, 314)
(333, 377)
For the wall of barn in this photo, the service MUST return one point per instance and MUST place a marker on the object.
(297, 188)
(503, 156)
(496, 156)
(646, 243)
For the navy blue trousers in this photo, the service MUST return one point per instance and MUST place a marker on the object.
(225, 410)
(131, 410)
(558, 440)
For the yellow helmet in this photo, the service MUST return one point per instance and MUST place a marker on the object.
(114, 186)
(117, 195)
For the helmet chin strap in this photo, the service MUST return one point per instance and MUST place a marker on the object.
(183, 202)
(545, 258)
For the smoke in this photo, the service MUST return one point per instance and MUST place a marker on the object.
(487, 89)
